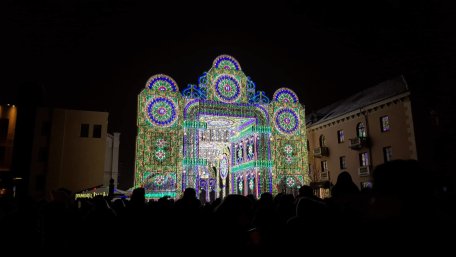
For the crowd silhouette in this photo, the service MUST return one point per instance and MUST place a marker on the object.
(404, 209)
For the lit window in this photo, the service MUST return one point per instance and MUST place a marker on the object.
(363, 159)
(387, 153)
(384, 123)
(322, 141)
(324, 166)
(340, 136)
(361, 130)
(366, 185)
(342, 162)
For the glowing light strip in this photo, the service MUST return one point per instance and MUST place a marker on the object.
(171, 194)
(252, 164)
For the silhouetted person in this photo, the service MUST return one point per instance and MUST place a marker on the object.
(188, 200)
(232, 222)
(403, 205)
(138, 198)
(188, 220)
(344, 185)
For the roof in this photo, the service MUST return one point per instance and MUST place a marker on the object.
(372, 95)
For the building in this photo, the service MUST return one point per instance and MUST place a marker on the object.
(8, 115)
(71, 150)
(356, 134)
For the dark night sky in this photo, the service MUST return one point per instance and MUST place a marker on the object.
(98, 54)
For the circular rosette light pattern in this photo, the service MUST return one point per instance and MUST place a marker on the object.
(161, 111)
(290, 181)
(288, 149)
(162, 82)
(286, 120)
(288, 159)
(227, 88)
(159, 180)
(160, 154)
(285, 95)
(226, 62)
(160, 143)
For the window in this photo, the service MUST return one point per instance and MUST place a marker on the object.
(43, 154)
(340, 136)
(361, 130)
(4, 128)
(387, 153)
(45, 128)
(2, 154)
(363, 159)
(322, 141)
(342, 163)
(84, 130)
(384, 123)
(324, 166)
(97, 131)
(366, 185)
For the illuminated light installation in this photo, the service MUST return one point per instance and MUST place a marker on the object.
(221, 136)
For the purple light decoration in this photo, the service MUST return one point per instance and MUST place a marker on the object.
(160, 77)
(246, 124)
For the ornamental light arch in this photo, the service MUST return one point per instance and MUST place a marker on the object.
(220, 136)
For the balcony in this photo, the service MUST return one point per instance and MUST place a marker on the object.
(364, 171)
(324, 175)
(358, 143)
(321, 151)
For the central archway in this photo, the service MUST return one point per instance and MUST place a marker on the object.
(251, 167)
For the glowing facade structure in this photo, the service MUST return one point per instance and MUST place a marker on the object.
(219, 137)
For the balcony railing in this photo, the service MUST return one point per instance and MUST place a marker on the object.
(321, 151)
(358, 142)
(324, 175)
(364, 171)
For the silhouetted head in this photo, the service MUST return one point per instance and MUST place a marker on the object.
(344, 178)
(306, 191)
(189, 193)
(138, 195)
(344, 185)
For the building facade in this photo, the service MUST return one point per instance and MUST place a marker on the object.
(359, 133)
(69, 150)
(8, 115)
